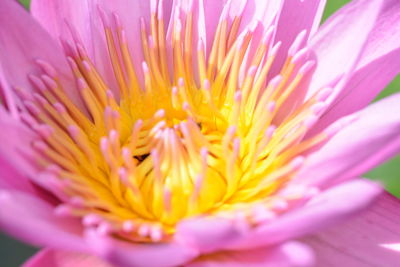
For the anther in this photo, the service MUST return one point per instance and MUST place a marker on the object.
(307, 67)
(128, 226)
(47, 68)
(104, 229)
(91, 220)
(294, 48)
(156, 233)
(144, 230)
(63, 210)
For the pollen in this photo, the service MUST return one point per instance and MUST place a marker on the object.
(192, 130)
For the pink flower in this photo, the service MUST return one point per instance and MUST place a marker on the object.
(197, 133)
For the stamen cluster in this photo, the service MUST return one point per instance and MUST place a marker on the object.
(193, 131)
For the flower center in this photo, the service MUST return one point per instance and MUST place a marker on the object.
(186, 134)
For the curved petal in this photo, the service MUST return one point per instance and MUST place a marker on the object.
(125, 254)
(17, 159)
(58, 258)
(362, 241)
(213, 234)
(290, 254)
(379, 64)
(371, 139)
(330, 207)
(11, 178)
(22, 42)
(14, 167)
(340, 41)
(208, 234)
(32, 220)
(7, 98)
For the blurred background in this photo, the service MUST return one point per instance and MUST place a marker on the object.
(14, 253)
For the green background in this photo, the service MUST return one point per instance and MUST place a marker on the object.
(13, 253)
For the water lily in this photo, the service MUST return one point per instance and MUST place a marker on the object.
(196, 133)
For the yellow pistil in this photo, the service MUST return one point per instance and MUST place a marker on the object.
(201, 138)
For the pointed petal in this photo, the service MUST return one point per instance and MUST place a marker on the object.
(250, 12)
(266, 12)
(129, 13)
(339, 43)
(58, 258)
(362, 241)
(205, 18)
(22, 42)
(53, 16)
(290, 254)
(369, 140)
(379, 64)
(126, 254)
(210, 11)
(37, 225)
(295, 16)
(85, 18)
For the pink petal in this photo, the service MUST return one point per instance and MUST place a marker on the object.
(126, 254)
(53, 16)
(11, 178)
(58, 258)
(14, 167)
(295, 16)
(327, 208)
(265, 12)
(340, 41)
(379, 64)
(206, 14)
(289, 254)
(362, 241)
(209, 13)
(258, 17)
(365, 143)
(213, 234)
(7, 98)
(208, 234)
(22, 42)
(129, 13)
(84, 17)
(32, 220)
(17, 158)
(212, 12)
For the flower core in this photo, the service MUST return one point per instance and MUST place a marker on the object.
(194, 131)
